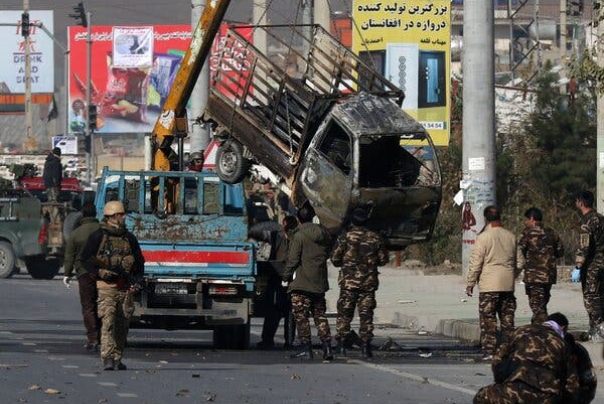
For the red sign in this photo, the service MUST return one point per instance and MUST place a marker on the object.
(128, 99)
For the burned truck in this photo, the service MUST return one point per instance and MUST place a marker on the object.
(329, 129)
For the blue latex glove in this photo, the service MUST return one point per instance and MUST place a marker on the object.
(576, 275)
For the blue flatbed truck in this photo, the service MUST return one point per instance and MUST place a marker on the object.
(200, 270)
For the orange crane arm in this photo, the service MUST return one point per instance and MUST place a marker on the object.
(172, 118)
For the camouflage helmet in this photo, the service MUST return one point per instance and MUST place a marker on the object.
(113, 207)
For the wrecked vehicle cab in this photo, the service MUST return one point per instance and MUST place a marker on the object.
(328, 127)
(369, 153)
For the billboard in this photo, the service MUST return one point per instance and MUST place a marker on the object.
(128, 94)
(410, 44)
(12, 58)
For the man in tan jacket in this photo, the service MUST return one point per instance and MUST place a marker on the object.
(493, 268)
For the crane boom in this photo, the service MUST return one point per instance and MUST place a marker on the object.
(172, 120)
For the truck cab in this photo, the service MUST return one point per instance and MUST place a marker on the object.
(369, 153)
(200, 270)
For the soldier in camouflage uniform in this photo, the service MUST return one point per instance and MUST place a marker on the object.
(306, 274)
(589, 259)
(114, 256)
(530, 367)
(538, 249)
(359, 252)
(493, 268)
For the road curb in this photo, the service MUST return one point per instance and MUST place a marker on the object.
(461, 329)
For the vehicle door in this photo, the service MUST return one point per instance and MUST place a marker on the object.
(327, 175)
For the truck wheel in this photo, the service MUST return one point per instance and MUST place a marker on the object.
(234, 336)
(231, 166)
(7, 260)
(40, 268)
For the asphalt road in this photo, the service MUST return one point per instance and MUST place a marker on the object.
(42, 360)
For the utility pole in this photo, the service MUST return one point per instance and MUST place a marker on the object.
(30, 143)
(259, 17)
(563, 33)
(600, 117)
(200, 132)
(478, 181)
(322, 14)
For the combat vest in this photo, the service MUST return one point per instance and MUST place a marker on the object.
(115, 254)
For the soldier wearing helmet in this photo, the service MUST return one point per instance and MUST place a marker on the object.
(112, 254)
(195, 161)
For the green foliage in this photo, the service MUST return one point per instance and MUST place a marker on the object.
(540, 162)
(564, 134)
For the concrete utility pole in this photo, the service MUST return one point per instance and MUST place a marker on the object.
(200, 133)
(259, 17)
(29, 144)
(478, 140)
(563, 38)
(322, 14)
(600, 120)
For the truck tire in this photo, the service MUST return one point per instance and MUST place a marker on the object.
(231, 165)
(7, 260)
(41, 268)
(233, 336)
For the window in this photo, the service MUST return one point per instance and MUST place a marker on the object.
(396, 162)
(131, 196)
(337, 148)
(191, 197)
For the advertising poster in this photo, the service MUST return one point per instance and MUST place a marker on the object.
(12, 58)
(133, 47)
(128, 99)
(409, 42)
(67, 144)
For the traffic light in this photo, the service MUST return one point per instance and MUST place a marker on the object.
(80, 14)
(574, 7)
(92, 116)
(87, 144)
(25, 25)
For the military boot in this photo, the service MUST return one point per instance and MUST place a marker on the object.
(303, 352)
(327, 352)
(108, 364)
(366, 349)
(341, 348)
(118, 365)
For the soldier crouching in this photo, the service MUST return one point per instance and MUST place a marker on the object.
(530, 367)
